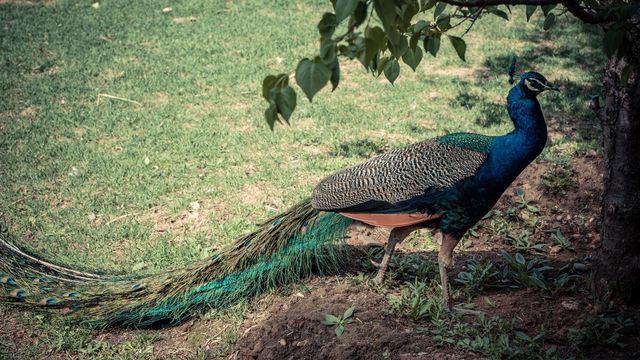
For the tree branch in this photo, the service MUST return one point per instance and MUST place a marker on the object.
(586, 15)
(474, 3)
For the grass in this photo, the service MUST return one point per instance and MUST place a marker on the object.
(189, 164)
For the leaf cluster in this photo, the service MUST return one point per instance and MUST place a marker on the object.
(382, 33)
(339, 320)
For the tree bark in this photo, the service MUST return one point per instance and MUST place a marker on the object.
(617, 261)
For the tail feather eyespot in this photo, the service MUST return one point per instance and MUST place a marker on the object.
(18, 293)
(8, 280)
(69, 308)
(48, 301)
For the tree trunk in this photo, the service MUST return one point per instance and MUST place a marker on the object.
(617, 262)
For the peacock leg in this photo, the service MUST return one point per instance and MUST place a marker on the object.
(445, 261)
(395, 237)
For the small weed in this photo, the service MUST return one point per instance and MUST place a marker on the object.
(494, 337)
(386, 355)
(476, 275)
(525, 273)
(559, 177)
(138, 347)
(418, 301)
(339, 321)
(523, 203)
(601, 332)
(498, 225)
(522, 242)
(416, 265)
(560, 240)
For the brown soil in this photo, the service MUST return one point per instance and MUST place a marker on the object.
(292, 329)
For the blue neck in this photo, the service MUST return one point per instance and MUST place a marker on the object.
(526, 114)
(530, 127)
(512, 152)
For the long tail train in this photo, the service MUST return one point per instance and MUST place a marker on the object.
(284, 249)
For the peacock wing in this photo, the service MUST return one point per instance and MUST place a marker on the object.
(383, 182)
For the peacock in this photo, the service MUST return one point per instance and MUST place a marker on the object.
(447, 183)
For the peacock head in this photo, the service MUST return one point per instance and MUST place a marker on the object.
(533, 83)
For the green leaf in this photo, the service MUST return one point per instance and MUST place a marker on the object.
(427, 4)
(328, 51)
(285, 99)
(439, 9)
(335, 75)
(339, 330)
(413, 41)
(499, 13)
(613, 40)
(378, 36)
(386, 11)
(359, 16)
(520, 259)
(271, 114)
(393, 35)
(267, 85)
(444, 22)
(399, 48)
(391, 70)
(420, 25)
(327, 26)
(348, 313)
(330, 319)
(412, 58)
(533, 209)
(549, 21)
(382, 63)
(370, 52)
(459, 45)
(432, 45)
(547, 8)
(344, 9)
(312, 75)
(270, 81)
(530, 10)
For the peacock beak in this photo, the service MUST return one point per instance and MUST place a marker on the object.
(551, 86)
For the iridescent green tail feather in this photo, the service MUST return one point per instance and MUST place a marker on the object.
(283, 250)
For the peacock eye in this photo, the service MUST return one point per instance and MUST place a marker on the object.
(530, 85)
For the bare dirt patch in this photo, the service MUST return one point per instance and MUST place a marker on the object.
(292, 329)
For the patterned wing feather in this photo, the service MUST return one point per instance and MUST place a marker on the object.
(398, 175)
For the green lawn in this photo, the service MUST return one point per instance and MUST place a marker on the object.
(189, 164)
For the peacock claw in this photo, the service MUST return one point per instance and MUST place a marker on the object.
(376, 264)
